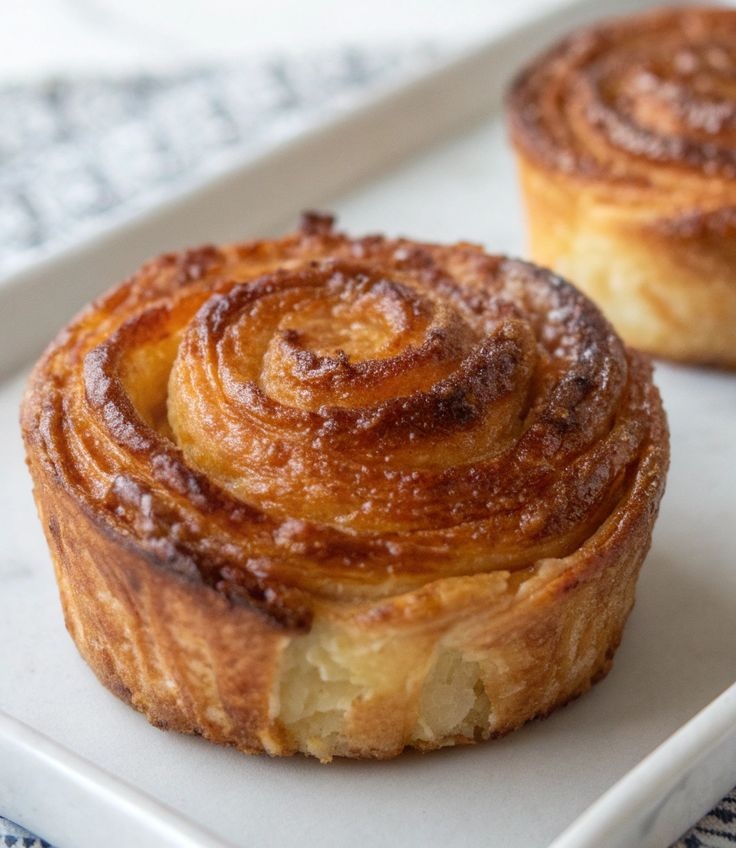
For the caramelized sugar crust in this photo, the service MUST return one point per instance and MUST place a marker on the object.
(340, 495)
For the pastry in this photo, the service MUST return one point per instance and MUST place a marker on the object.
(625, 135)
(345, 495)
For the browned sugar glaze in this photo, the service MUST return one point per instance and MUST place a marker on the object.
(321, 416)
(647, 100)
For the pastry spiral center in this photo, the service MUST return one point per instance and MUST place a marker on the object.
(352, 338)
(309, 391)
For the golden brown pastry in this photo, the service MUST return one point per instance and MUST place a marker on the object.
(341, 496)
(625, 135)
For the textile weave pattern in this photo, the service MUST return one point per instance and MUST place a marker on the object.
(73, 151)
(716, 830)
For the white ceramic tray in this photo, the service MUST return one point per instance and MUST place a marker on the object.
(627, 765)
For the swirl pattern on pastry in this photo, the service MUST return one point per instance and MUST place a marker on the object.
(365, 452)
(626, 138)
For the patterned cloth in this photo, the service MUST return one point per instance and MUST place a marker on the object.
(62, 142)
(716, 830)
(13, 836)
(75, 151)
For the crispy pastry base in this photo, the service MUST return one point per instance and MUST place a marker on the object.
(623, 195)
(192, 662)
(454, 660)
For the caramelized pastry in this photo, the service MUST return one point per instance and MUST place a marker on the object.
(625, 136)
(343, 496)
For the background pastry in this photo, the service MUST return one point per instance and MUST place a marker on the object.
(341, 496)
(625, 135)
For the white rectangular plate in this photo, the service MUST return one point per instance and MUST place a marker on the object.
(126, 783)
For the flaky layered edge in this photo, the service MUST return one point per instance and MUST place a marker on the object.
(666, 283)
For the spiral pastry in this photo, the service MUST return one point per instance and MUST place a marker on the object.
(341, 496)
(625, 136)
